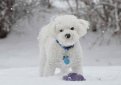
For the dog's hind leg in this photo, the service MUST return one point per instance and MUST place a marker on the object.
(42, 60)
(42, 65)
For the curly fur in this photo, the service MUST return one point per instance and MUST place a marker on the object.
(52, 54)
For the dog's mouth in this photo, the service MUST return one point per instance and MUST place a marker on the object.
(67, 39)
(67, 47)
(66, 43)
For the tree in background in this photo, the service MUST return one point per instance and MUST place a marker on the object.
(5, 16)
(13, 10)
(102, 14)
(45, 3)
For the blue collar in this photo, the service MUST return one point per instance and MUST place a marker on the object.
(65, 47)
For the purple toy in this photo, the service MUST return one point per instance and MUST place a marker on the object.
(74, 77)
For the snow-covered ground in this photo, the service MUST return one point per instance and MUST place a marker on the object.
(19, 56)
(29, 76)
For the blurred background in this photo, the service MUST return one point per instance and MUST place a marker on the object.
(21, 21)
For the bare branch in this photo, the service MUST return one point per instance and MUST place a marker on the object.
(69, 6)
(117, 19)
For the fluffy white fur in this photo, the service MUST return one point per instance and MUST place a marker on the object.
(52, 53)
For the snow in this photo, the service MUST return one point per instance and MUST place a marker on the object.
(19, 56)
(30, 76)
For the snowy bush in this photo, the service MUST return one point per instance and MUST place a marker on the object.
(102, 14)
(13, 10)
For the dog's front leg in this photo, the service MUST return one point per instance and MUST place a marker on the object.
(64, 70)
(77, 67)
(49, 69)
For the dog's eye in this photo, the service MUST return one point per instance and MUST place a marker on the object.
(61, 30)
(72, 28)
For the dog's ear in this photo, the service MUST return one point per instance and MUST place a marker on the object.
(83, 25)
(47, 31)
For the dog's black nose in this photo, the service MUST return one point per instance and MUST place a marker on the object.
(67, 35)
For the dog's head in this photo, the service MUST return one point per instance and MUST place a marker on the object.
(67, 29)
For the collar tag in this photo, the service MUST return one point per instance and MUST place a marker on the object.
(66, 59)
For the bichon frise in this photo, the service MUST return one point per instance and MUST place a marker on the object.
(60, 46)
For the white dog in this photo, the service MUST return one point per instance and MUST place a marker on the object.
(60, 46)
